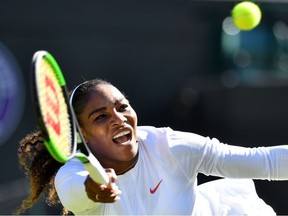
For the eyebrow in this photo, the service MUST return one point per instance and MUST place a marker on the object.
(104, 108)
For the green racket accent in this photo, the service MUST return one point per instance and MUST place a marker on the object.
(54, 151)
(82, 158)
(52, 62)
(53, 106)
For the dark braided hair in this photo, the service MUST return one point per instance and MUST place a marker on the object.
(40, 168)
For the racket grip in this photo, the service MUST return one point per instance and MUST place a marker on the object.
(96, 171)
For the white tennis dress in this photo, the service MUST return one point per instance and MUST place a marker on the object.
(164, 180)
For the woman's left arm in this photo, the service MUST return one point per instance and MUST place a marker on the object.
(257, 163)
(198, 154)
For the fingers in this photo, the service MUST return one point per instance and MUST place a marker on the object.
(113, 177)
(107, 196)
(103, 193)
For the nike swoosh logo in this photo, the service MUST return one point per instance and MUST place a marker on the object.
(152, 191)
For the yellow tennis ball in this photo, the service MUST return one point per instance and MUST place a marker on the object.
(246, 15)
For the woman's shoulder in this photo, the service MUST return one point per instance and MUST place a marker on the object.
(149, 128)
(148, 131)
(71, 167)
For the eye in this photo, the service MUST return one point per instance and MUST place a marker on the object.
(100, 117)
(123, 107)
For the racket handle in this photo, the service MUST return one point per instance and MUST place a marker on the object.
(96, 171)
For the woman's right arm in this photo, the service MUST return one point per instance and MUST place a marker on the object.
(78, 192)
(69, 183)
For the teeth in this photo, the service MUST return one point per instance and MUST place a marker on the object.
(121, 134)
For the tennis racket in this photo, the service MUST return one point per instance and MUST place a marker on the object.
(56, 119)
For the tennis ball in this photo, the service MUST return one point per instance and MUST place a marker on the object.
(246, 15)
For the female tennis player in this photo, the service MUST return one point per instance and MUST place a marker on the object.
(155, 169)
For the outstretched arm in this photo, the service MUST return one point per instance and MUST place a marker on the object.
(78, 192)
(103, 193)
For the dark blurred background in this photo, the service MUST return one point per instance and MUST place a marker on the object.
(181, 63)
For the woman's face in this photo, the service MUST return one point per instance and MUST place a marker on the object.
(109, 123)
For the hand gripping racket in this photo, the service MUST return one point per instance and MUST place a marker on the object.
(56, 119)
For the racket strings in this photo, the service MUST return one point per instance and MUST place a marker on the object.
(54, 109)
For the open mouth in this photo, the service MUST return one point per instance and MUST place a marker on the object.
(122, 137)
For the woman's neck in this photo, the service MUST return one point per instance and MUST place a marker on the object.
(131, 165)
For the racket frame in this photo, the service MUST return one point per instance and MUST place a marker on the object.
(92, 165)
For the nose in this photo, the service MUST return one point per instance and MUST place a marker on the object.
(118, 118)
